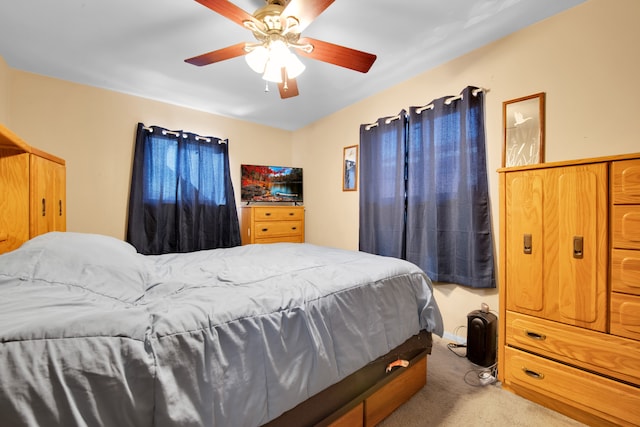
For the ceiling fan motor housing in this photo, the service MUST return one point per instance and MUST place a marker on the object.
(270, 15)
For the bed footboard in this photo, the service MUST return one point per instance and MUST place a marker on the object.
(369, 395)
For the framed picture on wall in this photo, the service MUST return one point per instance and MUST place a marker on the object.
(523, 120)
(350, 168)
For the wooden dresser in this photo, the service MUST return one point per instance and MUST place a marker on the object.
(32, 189)
(569, 334)
(272, 224)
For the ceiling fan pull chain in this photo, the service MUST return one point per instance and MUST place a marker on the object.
(285, 79)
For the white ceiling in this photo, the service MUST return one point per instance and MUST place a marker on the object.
(139, 46)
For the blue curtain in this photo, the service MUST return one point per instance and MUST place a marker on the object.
(448, 210)
(382, 188)
(444, 207)
(181, 197)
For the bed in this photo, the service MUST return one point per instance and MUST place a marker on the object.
(93, 333)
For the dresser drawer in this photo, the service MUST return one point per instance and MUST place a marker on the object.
(625, 271)
(625, 315)
(278, 213)
(608, 399)
(609, 355)
(277, 228)
(625, 226)
(625, 177)
(280, 239)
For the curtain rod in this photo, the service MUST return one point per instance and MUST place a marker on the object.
(419, 110)
(389, 120)
(448, 101)
(184, 135)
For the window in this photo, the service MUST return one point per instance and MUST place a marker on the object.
(194, 171)
(181, 196)
(434, 174)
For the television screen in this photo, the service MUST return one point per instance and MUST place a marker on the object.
(271, 184)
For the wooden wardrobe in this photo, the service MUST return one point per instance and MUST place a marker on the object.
(569, 334)
(32, 191)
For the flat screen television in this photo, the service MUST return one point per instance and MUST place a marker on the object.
(271, 184)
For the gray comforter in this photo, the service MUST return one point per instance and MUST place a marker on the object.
(92, 333)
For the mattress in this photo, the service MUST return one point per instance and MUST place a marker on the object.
(93, 333)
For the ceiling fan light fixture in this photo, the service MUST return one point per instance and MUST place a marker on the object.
(274, 65)
(271, 57)
(257, 58)
(278, 52)
(272, 72)
(294, 66)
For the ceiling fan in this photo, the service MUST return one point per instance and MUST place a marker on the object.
(276, 28)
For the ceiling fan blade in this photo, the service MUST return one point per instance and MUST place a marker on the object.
(306, 10)
(292, 86)
(228, 10)
(338, 55)
(218, 55)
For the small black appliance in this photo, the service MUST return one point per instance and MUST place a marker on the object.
(482, 335)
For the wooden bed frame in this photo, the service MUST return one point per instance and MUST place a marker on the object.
(369, 395)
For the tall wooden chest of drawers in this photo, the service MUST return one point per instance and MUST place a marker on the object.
(569, 334)
(625, 252)
(272, 224)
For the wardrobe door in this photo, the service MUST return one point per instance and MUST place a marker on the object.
(577, 228)
(525, 242)
(14, 200)
(59, 197)
(43, 199)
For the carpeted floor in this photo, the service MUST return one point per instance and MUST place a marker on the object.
(454, 396)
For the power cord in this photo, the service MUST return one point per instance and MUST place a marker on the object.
(482, 377)
(476, 377)
(451, 346)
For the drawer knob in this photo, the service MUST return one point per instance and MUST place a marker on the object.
(265, 229)
(536, 336)
(294, 228)
(532, 374)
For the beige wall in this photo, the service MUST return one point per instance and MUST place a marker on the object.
(585, 59)
(94, 131)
